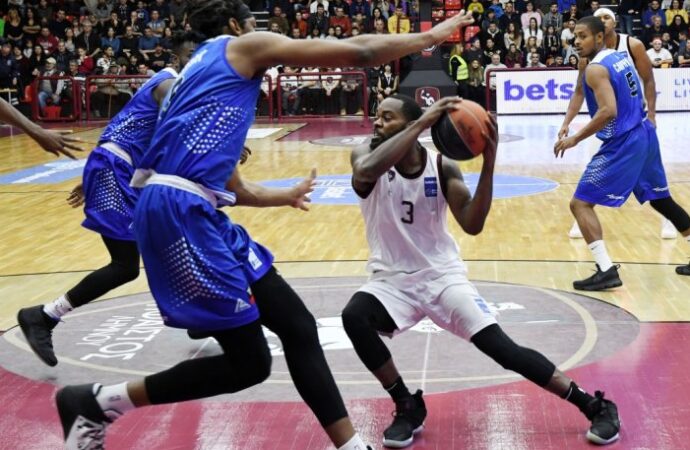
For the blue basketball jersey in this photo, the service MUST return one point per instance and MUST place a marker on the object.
(627, 89)
(204, 120)
(132, 128)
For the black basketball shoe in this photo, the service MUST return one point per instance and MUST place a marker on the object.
(683, 270)
(408, 420)
(605, 422)
(600, 280)
(37, 327)
(83, 421)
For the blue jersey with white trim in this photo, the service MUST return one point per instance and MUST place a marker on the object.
(132, 128)
(627, 89)
(204, 119)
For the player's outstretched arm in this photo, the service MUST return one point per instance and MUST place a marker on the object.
(253, 194)
(368, 165)
(597, 77)
(51, 141)
(253, 52)
(471, 212)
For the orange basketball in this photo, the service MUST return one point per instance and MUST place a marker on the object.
(460, 134)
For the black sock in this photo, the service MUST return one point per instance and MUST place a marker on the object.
(578, 397)
(398, 390)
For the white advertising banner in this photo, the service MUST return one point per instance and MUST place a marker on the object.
(549, 91)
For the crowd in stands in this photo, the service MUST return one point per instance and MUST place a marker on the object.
(79, 38)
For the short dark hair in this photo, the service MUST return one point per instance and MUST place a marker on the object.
(212, 16)
(594, 24)
(410, 109)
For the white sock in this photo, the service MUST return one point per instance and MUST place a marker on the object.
(355, 443)
(113, 400)
(58, 307)
(601, 256)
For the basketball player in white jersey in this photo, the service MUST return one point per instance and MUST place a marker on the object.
(675, 217)
(405, 191)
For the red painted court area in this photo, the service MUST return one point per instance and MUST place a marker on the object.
(648, 379)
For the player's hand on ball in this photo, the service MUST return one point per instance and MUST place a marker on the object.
(491, 138)
(76, 196)
(564, 144)
(300, 193)
(435, 111)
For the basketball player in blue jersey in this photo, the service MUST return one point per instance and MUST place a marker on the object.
(51, 141)
(634, 50)
(109, 204)
(194, 256)
(628, 161)
(416, 271)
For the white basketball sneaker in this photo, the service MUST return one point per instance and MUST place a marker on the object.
(575, 232)
(668, 231)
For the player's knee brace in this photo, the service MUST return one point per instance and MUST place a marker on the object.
(671, 210)
(363, 317)
(124, 272)
(534, 366)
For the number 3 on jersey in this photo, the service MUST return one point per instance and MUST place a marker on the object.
(408, 212)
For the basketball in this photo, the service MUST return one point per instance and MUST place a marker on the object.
(459, 134)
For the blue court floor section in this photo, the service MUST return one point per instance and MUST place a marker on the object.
(47, 173)
(337, 190)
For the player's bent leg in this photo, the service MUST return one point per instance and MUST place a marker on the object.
(37, 322)
(364, 318)
(534, 366)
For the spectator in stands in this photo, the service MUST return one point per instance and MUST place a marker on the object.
(341, 20)
(49, 90)
(47, 41)
(495, 64)
(24, 68)
(44, 12)
(133, 65)
(383, 6)
(145, 70)
(475, 82)
(111, 40)
(380, 26)
(512, 36)
(177, 13)
(300, 24)
(534, 31)
(330, 34)
(111, 95)
(593, 6)
(572, 14)
(492, 33)
(394, 4)
(668, 44)
(475, 51)
(489, 18)
(659, 56)
(136, 24)
(398, 22)
(676, 10)
(331, 92)
(158, 59)
(310, 91)
(157, 24)
(32, 26)
(107, 58)
(148, 42)
(9, 68)
(388, 83)
(508, 17)
(351, 92)
(491, 49)
(289, 85)
(59, 25)
(314, 6)
(339, 32)
(513, 56)
(333, 4)
(459, 70)
(476, 7)
(166, 40)
(373, 74)
(568, 38)
(361, 22)
(142, 12)
(69, 41)
(677, 25)
(316, 34)
(278, 17)
(683, 55)
(656, 30)
(552, 18)
(355, 30)
(122, 9)
(628, 10)
(86, 63)
(37, 61)
(62, 57)
(558, 61)
(497, 8)
(129, 44)
(552, 42)
(295, 34)
(318, 20)
(360, 6)
(573, 61)
(102, 11)
(534, 61)
(262, 101)
(163, 8)
(530, 14)
(89, 39)
(654, 10)
(115, 23)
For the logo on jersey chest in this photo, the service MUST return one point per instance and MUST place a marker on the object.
(430, 187)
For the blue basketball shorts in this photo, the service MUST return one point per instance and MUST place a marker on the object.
(198, 263)
(109, 200)
(630, 163)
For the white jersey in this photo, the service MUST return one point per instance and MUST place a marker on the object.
(406, 222)
(623, 47)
